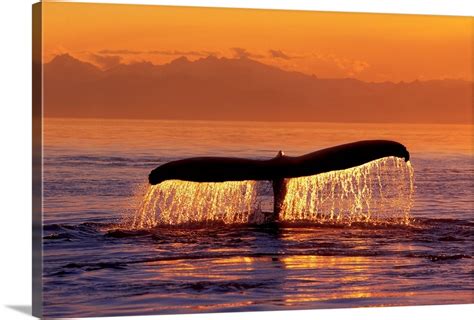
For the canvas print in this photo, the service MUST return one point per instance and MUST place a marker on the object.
(191, 160)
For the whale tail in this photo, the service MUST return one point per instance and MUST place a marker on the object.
(280, 168)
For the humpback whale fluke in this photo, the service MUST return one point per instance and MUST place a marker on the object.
(279, 168)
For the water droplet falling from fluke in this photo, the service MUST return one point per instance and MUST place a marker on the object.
(175, 202)
(379, 191)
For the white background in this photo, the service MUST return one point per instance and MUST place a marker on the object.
(15, 155)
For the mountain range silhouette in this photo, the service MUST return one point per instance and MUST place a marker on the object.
(214, 88)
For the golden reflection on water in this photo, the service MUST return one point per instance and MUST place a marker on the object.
(299, 279)
(241, 263)
(221, 268)
(355, 284)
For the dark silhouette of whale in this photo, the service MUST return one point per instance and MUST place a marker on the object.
(279, 168)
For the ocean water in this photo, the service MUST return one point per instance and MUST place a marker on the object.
(97, 263)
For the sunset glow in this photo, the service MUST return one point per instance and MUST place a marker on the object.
(370, 47)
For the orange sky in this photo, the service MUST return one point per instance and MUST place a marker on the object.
(370, 47)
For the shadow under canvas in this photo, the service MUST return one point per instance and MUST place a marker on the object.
(25, 309)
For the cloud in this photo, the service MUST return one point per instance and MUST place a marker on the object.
(106, 61)
(119, 51)
(203, 53)
(242, 53)
(279, 54)
(349, 67)
(182, 53)
(359, 66)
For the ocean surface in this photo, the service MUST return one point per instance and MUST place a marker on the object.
(96, 263)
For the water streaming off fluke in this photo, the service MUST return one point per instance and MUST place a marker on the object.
(176, 202)
(380, 191)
